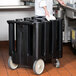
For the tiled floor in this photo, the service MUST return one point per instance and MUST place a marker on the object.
(68, 65)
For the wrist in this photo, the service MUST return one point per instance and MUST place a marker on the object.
(45, 8)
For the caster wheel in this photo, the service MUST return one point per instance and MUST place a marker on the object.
(73, 45)
(38, 66)
(11, 64)
(57, 63)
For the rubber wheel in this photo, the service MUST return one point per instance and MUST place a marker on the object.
(57, 63)
(73, 45)
(38, 66)
(11, 64)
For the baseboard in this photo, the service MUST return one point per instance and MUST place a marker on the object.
(4, 43)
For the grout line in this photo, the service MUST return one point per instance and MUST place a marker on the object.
(27, 72)
(55, 70)
(4, 64)
(70, 65)
(47, 72)
(68, 71)
(66, 68)
(17, 73)
(64, 60)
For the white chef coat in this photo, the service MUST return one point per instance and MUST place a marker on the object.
(39, 11)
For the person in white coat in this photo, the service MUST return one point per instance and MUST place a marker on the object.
(45, 7)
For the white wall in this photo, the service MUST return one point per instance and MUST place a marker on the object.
(18, 2)
(70, 1)
(9, 2)
(66, 1)
(10, 15)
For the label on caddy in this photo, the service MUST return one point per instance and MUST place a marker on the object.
(73, 34)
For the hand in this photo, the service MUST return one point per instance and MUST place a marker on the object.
(62, 3)
(47, 13)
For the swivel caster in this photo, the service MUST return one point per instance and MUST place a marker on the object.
(57, 63)
(11, 64)
(38, 66)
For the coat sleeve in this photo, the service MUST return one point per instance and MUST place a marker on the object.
(42, 3)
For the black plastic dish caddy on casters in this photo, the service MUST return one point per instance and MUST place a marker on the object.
(37, 40)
